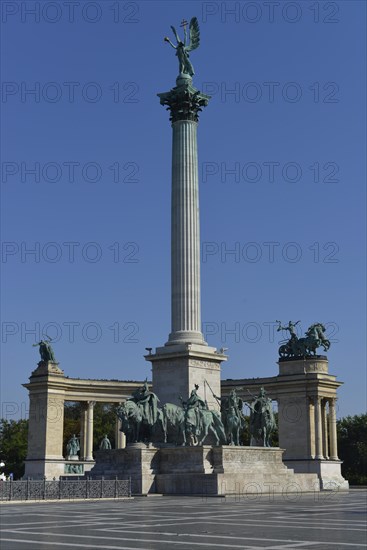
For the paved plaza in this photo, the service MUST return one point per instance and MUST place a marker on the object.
(325, 521)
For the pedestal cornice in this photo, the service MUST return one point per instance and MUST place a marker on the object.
(191, 351)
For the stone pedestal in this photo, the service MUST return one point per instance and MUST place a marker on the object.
(176, 369)
(328, 472)
(138, 462)
(204, 470)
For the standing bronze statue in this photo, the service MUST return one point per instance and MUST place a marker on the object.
(183, 49)
(46, 351)
(72, 447)
(105, 443)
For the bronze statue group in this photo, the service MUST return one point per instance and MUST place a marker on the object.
(193, 423)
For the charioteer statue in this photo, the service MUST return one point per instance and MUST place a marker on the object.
(303, 347)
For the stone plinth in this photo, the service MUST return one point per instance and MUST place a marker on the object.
(229, 470)
(176, 369)
(318, 364)
(205, 470)
(329, 472)
(140, 463)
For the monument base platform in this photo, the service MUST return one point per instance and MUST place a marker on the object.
(328, 472)
(205, 470)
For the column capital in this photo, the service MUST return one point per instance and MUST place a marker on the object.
(184, 101)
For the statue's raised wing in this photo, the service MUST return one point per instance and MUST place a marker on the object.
(176, 35)
(194, 35)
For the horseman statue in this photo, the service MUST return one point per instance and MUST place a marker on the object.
(262, 421)
(139, 415)
(192, 415)
(303, 347)
(147, 401)
(232, 416)
(199, 421)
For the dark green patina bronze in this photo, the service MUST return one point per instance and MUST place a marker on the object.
(232, 416)
(303, 347)
(46, 351)
(262, 421)
(184, 101)
(105, 443)
(182, 48)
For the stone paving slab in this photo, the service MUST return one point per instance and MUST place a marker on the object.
(322, 521)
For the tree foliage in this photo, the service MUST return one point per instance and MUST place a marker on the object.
(13, 446)
(352, 448)
(104, 422)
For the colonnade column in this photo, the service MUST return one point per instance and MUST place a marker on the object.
(311, 433)
(325, 441)
(120, 438)
(90, 410)
(332, 430)
(318, 428)
(83, 431)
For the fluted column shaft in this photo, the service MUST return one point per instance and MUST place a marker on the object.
(318, 428)
(332, 430)
(83, 431)
(90, 419)
(185, 236)
(311, 433)
(325, 438)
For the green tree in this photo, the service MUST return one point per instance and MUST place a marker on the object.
(352, 448)
(72, 416)
(104, 423)
(13, 446)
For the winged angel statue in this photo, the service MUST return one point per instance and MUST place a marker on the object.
(182, 49)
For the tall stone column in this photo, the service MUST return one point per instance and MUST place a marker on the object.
(185, 238)
(318, 428)
(90, 414)
(186, 359)
(332, 430)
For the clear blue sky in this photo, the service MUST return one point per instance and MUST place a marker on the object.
(293, 210)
